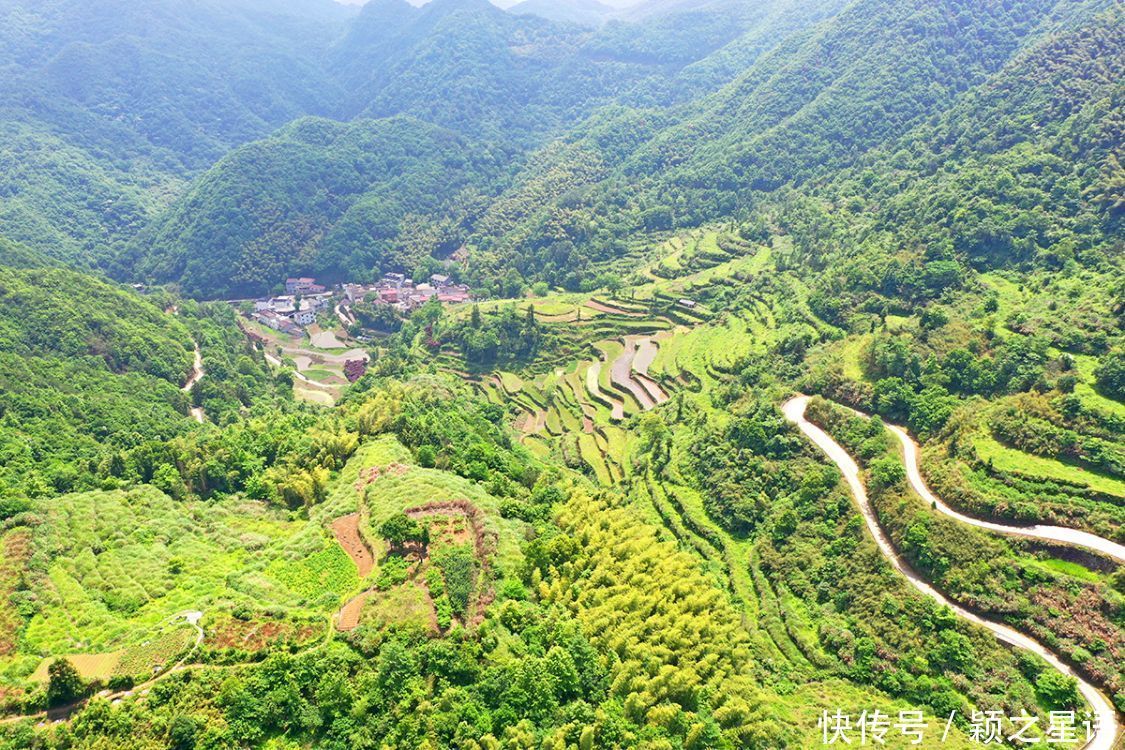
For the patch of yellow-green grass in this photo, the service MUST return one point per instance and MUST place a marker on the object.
(1085, 364)
(537, 446)
(592, 455)
(512, 383)
(550, 307)
(603, 415)
(89, 666)
(490, 392)
(554, 423)
(684, 284)
(121, 562)
(320, 374)
(665, 363)
(851, 355)
(617, 446)
(406, 604)
(312, 395)
(1011, 460)
(1069, 568)
(568, 418)
(1007, 291)
(899, 323)
(327, 574)
(15, 550)
(343, 497)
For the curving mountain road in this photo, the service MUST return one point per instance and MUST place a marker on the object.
(1047, 533)
(197, 373)
(1108, 727)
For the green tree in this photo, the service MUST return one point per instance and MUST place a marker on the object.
(400, 529)
(64, 684)
(1110, 375)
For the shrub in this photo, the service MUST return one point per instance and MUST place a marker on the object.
(887, 472)
(459, 569)
(64, 684)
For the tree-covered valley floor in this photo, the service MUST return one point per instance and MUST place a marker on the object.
(589, 523)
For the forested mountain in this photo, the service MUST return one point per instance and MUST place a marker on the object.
(582, 12)
(656, 140)
(338, 200)
(819, 103)
(581, 501)
(505, 83)
(109, 107)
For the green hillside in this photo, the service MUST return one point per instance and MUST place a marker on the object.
(790, 381)
(318, 197)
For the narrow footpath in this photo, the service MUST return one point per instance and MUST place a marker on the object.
(197, 373)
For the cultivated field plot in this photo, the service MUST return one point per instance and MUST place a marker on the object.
(317, 361)
(125, 565)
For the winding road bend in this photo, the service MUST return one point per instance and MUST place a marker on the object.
(1108, 727)
(197, 373)
(1046, 533)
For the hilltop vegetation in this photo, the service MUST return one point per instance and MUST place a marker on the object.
(89, 369)
(340, 201)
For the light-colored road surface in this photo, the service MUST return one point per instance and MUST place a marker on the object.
(1047, 533)
(1107, 722)
(196, 371)
(197, 374)
(344, 317)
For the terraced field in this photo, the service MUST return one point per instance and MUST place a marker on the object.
(318, 370)
(635, 355)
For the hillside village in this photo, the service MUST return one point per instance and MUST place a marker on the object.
(305, 299)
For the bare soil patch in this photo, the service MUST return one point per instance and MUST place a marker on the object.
(348, 616)
(256, 635)
(346, 529)
(372, 473)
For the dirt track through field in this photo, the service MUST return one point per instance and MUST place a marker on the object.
(346, 529)
(593, 304)
(348, 616)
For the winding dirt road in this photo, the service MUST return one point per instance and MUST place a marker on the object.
(1108, 727)
(197, 373)
(1037, 531)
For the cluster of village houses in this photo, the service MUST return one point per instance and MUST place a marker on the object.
(397, 290)
(304, 299)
